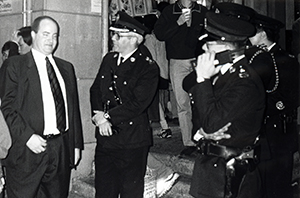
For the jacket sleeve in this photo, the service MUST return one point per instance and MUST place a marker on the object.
(95, 91)
(20, 130)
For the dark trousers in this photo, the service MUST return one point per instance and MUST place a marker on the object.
(120, 172)
(276, 176)
(44, 175)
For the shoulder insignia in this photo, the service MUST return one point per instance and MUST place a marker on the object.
(232, 70)
(243, 73)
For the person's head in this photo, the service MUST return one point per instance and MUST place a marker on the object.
(25, 39)
(226, 32)
(9, 49)
(44, 32)
(127, 33)
(267, 30)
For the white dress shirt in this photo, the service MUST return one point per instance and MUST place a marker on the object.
(47, 96)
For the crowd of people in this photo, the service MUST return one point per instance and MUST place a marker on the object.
(236, 91)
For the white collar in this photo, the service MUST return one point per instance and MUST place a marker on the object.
(127, 56)
(226, 66)
(271, 46)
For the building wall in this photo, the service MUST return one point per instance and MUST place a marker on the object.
(80, 42)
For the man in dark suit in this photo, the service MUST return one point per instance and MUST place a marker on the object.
(120, 95)
(279, 140)
(41, 107)
(221, 93)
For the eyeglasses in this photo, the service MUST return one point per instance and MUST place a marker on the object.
(118, 35)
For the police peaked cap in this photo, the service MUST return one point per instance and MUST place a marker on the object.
(124, 22)
(235, 10)
(220, 26)
(266, 22)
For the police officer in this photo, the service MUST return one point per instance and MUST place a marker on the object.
(279, 138)
(259, 58)
(225, 92)
(123, 89)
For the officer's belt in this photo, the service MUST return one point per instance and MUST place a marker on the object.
(207, 147)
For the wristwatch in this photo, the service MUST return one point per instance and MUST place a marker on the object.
(106, 116)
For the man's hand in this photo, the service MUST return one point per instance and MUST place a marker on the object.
(105, 129)
(98, 118)
(184, 18)
(36, 144)
(218, 135)
(205, 68)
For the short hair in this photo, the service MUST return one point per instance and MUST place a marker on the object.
(25, 32)
(12, 47)
(36, 23)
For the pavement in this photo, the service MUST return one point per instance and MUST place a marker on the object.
(167, 151)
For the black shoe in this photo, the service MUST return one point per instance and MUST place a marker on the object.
(188, 151)
(165, 133)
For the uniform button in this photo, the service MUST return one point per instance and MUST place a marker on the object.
(102, 76)
(275, 125)
(130, 123)
(115, 76)
(125, 83)
(190, 94)
(110, 88)
(192, 102)
(215, 165)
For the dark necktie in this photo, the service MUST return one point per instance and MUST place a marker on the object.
(58, 97)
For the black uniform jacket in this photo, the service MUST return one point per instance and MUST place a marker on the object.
(262, 62)
(181, 41)
(136, 83)
(238, 97)
(22, 107)
(281, 111)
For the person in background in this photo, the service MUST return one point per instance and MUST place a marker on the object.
(23, 38)
(180, 26)
(41, 107)
(9, 49)
(158, 53)
(5, 144)
(279, 139)
(225, 94)
(120, 96)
